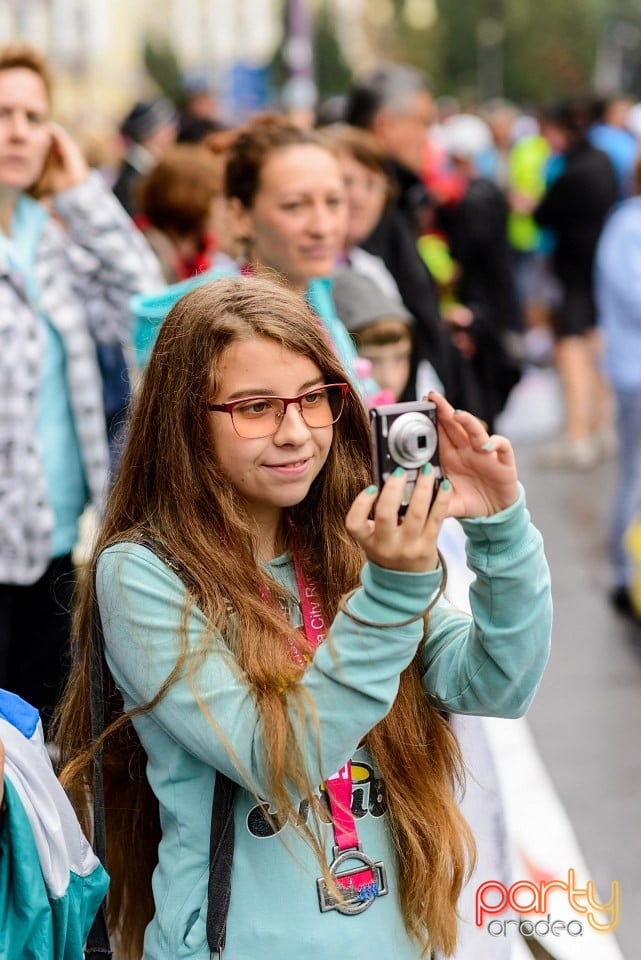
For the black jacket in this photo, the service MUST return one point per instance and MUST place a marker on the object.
(394, 241)
(574, 207)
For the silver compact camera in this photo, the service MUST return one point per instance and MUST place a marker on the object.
(404, 435)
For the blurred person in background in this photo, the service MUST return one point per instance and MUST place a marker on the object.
(501, 116)
(535, 286)
(574, 207)
(609, 132)
(197, 104)
(485, 317)
(369, 189)
(51, 882)
(147, 130)
(65, 282)
(618, 295)
(287, 215)
(382, 330)
(179, 201)
(394, 102)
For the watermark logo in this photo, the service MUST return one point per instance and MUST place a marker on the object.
(526, 899)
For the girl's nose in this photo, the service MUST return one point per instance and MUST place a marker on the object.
(292, 428)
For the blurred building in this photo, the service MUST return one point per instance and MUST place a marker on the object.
(96, 46)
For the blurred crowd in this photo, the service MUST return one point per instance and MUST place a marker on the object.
(469, 247)
(440, 247)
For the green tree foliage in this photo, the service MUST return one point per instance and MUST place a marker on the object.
(162, 65)
(546, 48)
(332, 71)
(417, 44)
(550, 48)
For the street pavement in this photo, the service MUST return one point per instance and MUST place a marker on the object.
(586, 718)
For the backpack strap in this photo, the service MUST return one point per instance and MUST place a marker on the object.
(221, 842)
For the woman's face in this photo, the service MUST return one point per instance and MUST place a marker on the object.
(366, 195)
(297, 222)
(24, 127)
(275, 472)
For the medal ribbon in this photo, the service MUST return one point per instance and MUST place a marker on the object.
(361, 884)
(338, 786)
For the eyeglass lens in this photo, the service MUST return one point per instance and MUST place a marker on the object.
(261, 416)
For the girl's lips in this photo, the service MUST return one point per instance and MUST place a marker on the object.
(292, 469)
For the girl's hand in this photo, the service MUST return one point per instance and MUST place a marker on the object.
(481, 469)
(408, 544)
(65, 166)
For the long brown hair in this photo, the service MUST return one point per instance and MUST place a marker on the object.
(170, 486)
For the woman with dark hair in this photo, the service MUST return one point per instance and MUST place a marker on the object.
(294, 644)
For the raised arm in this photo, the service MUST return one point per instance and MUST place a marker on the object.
(210, 709)
(110, 259)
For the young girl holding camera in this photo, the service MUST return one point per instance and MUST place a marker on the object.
(282, 638)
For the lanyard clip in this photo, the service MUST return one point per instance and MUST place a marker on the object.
(354, 848)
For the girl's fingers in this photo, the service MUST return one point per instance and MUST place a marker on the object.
(385, 508)
(473, 427)
(441, 505)
(411, 543)
(502, 447)
(446, 420)
(421, 500)
(389, 503)
(357, 520)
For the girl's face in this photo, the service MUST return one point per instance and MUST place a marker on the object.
(25, 135)
(297, 222)
(391, 364)
(275, 472)
(366, 195)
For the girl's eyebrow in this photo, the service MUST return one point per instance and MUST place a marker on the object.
(267, 392)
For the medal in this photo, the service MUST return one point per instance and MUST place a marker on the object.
(360, 885)
(362, 880)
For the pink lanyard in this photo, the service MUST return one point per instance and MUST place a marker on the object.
(365, 880)
(339, 786)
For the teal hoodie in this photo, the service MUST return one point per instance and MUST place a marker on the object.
(488, 664)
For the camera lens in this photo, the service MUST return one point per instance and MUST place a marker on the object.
(412, 440)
